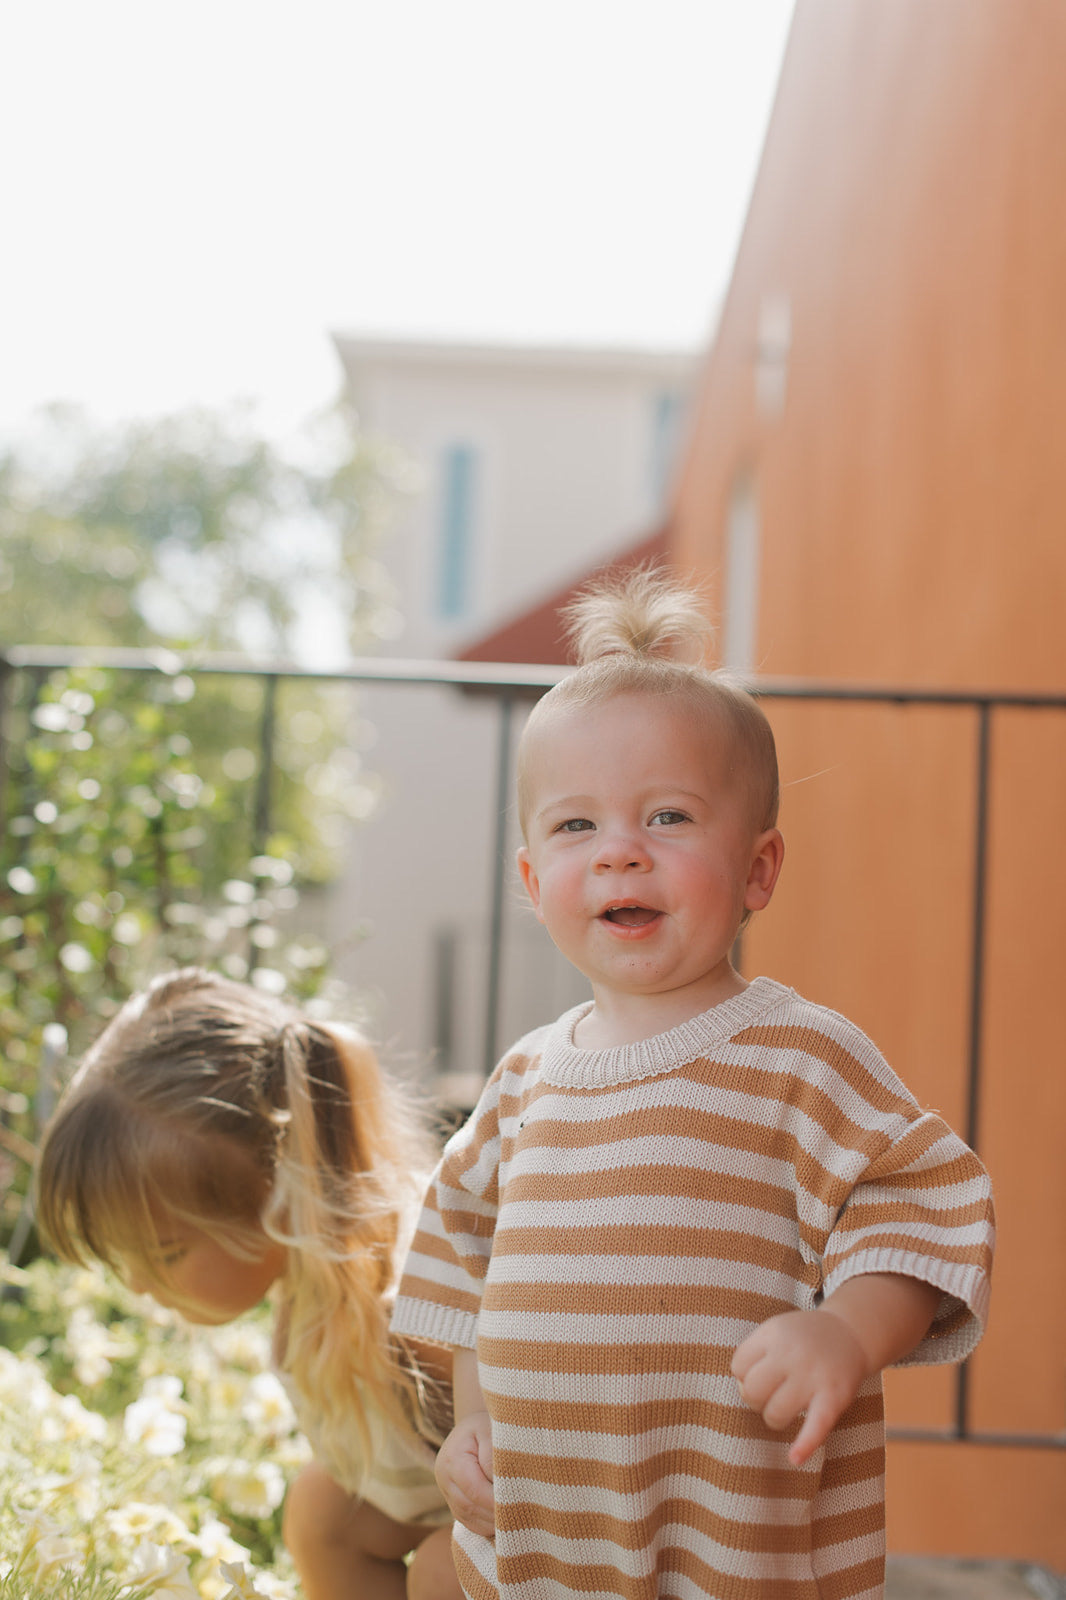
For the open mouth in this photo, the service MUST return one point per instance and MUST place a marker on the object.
(630, 916)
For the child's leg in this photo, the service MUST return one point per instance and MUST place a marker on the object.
(345, 1549)
(431, 1574)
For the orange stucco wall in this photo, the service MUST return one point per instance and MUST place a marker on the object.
(911, 494)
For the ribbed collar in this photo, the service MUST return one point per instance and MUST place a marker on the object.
(564, 1064)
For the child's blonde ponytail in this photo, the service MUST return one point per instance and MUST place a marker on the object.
(217, 1103)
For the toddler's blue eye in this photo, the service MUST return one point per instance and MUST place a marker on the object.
(575, 825)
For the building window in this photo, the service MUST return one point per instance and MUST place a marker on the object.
(741, 578)
(668, 409)
(457, 518)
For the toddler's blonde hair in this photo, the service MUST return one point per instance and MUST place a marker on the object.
(643, 633)
(216, 1103)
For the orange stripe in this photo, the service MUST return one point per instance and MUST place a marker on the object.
(475, 1586)
(652, 1416)
(970, 1255)
(592, 1357)
(655, 1178)
(628, 1300)
(638, 1241)
(531, 1566)
(731, 1477)
(761, 1536)
(439, 1294)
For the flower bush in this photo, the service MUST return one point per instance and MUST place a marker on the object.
(142, 1459)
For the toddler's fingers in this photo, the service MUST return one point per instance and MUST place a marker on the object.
(747, 1353)
(470, 1501)
(484, 1457)
(817, 1425)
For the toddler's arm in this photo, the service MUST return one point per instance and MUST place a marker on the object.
(816, 1361)
(464, 1463)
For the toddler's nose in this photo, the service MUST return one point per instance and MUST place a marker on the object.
(620, 851)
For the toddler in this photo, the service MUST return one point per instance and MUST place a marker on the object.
(215, 1144)
(690, 1222)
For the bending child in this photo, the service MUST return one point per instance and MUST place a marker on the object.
(690, 1222)
(216, 1143)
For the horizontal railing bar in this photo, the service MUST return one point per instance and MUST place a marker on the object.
(1012, 1441)
(811, 689)
(360, 669)
(500, 675)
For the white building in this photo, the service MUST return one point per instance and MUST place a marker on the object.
(535, 467)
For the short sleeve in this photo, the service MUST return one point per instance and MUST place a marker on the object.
(923, 1208)
(440, 1290)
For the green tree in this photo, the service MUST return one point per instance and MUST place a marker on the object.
(136, 827)
(193, 531)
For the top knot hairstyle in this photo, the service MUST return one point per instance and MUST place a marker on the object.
(641, 614)
(643, 633)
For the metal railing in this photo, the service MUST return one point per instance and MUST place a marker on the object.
(513, 686)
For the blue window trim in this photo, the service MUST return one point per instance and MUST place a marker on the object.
(454, 570)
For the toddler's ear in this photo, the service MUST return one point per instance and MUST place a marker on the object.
(530, 879)
(765, 869)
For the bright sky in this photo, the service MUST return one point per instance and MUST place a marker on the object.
(196, 192)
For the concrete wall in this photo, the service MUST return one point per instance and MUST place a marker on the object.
(571, 464)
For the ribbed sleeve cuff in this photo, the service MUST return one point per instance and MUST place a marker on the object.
(962, 1313)
(419, 1319)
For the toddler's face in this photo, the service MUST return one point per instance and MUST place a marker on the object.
(643, 855)
(201, 1279)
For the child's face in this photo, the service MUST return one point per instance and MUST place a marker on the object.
(643, 855)
(203, 1280)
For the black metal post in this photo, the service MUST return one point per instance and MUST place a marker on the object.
(977, 960)
(6, 676)
(499, 865)
(264, 790)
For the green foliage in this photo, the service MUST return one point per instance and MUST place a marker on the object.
(166, 816)
(193, 531)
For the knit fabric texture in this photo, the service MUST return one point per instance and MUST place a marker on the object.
(606, 1230)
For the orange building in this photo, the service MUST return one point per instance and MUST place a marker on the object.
(875, 493)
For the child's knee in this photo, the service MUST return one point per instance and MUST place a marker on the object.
(431, 1573)
(317, 1512)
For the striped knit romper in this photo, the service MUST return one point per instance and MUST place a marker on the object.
(605, 1231)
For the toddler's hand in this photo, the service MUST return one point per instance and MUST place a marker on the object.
(464, 1474)
(801, 1361)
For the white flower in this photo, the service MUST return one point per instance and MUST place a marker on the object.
(23, 1384)
(137, 1520)
(68, 1420)
(38, 1526)
(226, 1393)
(165, 1569)
(92, 1347)
(242, 1344)
(217, 1543)
(220, 1548)
(242, 1586)
(275, 1588)
(82, 1487)
(56, 1550)
(154, 1421)
(250, 1488)
(266, 1404)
